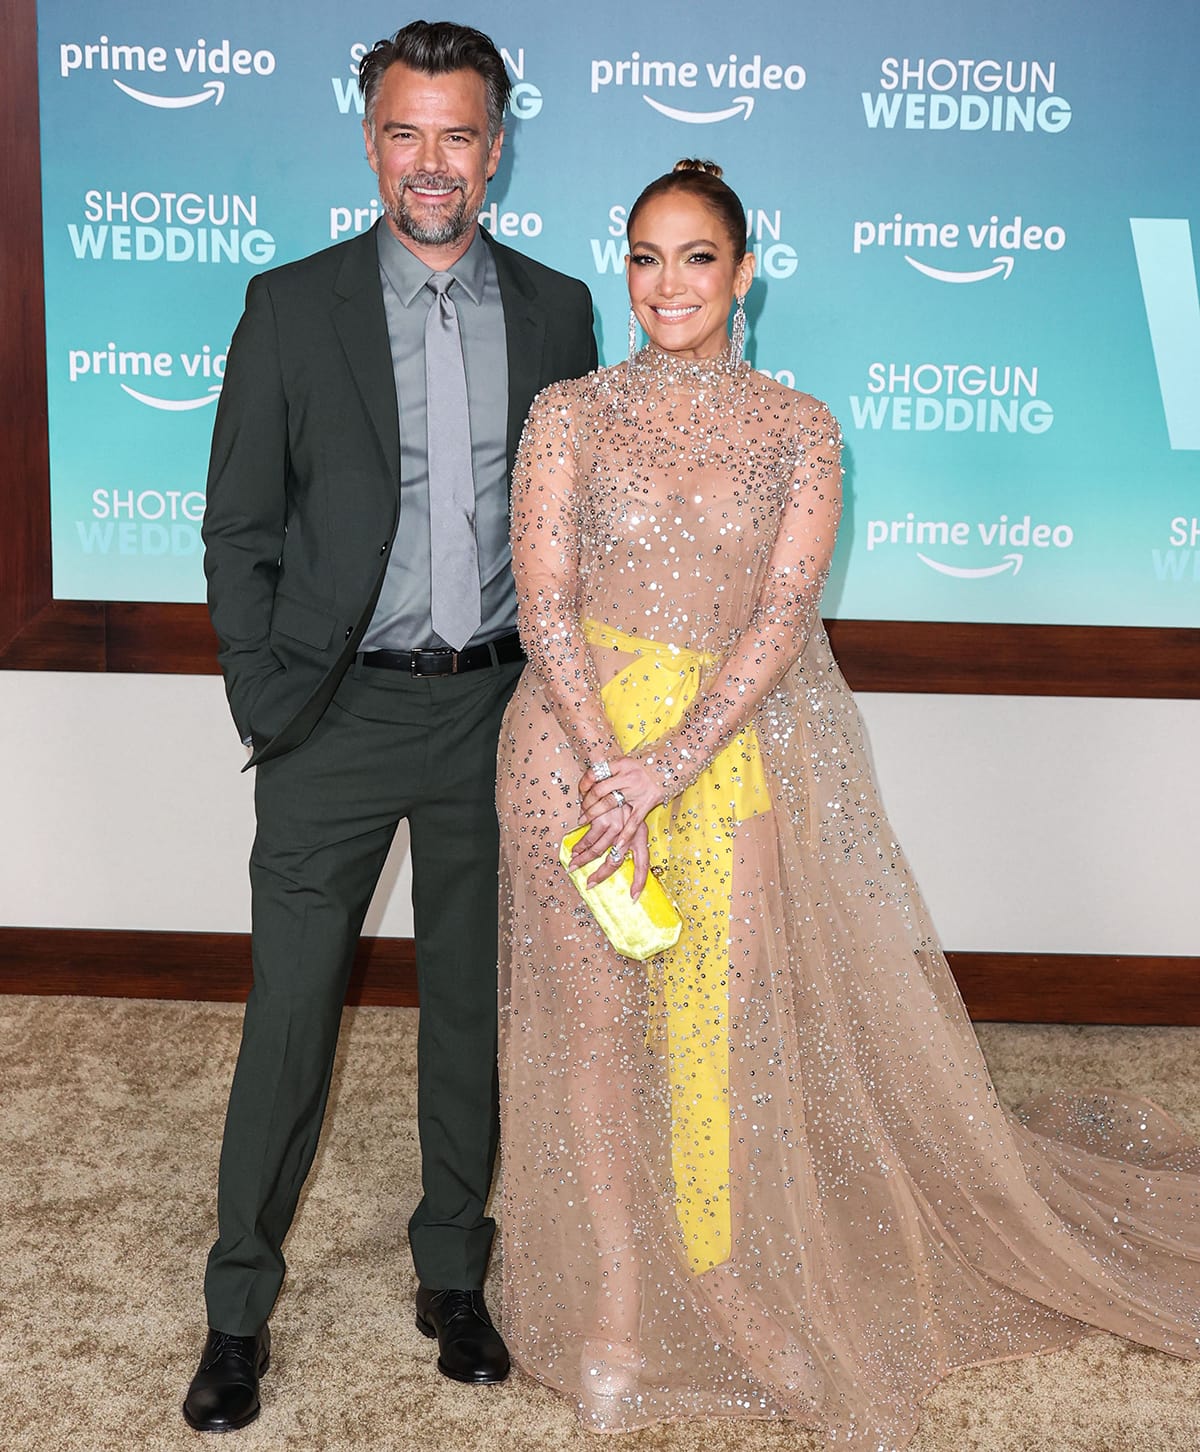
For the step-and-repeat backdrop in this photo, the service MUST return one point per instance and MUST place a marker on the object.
(972, 226)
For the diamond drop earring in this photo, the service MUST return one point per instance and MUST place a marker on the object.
(737, 342)
(633, 332)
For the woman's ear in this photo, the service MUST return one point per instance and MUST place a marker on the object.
(743, 276)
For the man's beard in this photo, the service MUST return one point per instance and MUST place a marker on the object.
(446, 227)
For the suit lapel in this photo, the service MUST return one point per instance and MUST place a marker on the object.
(361, 324)
(525, 334)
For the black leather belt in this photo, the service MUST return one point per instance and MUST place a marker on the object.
(446, 662)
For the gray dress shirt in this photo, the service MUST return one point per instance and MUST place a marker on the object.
(402, 616)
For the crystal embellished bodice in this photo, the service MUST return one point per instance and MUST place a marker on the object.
(691, 502)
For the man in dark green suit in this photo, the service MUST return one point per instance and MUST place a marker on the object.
(367, 388)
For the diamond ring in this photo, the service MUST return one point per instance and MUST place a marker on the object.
(616, 852)
(601, 770)
(618, 797)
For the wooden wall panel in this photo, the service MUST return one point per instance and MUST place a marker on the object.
(210, 966)
(1012, 987)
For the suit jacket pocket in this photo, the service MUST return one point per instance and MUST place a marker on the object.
(271, 708)
(300, 621)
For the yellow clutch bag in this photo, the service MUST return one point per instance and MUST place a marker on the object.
(635, 929)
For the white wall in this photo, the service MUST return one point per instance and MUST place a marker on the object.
(1035, 824)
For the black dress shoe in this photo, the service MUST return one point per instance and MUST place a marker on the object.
(470, 1348)
(223, 1395)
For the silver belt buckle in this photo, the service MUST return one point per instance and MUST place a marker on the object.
(414, 662)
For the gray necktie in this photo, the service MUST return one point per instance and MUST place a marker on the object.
(454, 579)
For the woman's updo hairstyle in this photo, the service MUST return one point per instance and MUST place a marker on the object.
(700, 179)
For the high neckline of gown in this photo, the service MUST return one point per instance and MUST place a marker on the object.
(658, 366)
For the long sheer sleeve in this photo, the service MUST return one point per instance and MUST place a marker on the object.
(546, 517)
(784, 611)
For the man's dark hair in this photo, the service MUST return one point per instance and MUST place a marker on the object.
(436, 47)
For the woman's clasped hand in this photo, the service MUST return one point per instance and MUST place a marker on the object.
(616, 804)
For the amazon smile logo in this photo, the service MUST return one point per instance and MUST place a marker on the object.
(741, 79)
(1005, 241)
(213, 91)
(935, 541)
(177, 66)
(174, 405)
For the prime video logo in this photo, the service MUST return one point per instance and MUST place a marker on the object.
(730, 74)
(1015, 536)
(139, 364)
(991, 235)
(204, 58)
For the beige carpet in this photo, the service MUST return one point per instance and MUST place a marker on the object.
(110, 1113)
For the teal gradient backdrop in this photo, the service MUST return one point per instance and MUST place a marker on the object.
(1020, 399)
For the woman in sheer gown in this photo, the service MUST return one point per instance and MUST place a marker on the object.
(767, 1173)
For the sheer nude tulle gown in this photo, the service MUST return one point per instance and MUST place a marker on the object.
(766, 1174)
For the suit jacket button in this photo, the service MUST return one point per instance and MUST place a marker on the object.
(383, 549)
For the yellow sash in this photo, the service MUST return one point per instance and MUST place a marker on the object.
(691, 847)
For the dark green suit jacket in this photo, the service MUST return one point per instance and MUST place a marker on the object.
(304, 478)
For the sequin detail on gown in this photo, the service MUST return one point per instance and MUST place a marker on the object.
(889, 1220)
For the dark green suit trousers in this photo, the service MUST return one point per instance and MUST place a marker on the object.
(390, 746)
